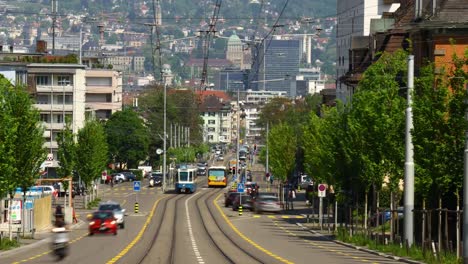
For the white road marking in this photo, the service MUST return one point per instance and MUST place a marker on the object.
(192, 238)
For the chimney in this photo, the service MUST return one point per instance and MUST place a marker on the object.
(41, 46)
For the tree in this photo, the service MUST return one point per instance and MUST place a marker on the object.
(8, 135)
(66, 153)
(91, 152)
(23, 140)
(282, 151)
(127, 138)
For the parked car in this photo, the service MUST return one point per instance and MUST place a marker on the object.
(129, 176)
(229, 198)
(385, 216)
(246, 200)
(266, 203)
(102, 222)
(118, 211)
(118, 177)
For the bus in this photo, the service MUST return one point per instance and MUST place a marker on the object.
(217, 176)
(185, 182)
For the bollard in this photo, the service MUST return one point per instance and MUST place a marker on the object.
(240, 209)
(136, 208)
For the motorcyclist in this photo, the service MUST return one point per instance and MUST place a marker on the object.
(60, 238)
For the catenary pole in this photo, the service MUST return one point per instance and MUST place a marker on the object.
(409, 161)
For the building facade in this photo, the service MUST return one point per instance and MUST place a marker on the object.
(275, 65)
(354, 20)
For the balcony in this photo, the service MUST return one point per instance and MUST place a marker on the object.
(54, 88)
(46, 107)
(53, 126)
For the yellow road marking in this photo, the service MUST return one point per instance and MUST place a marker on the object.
(47, 252)
(245, 237)
(139, 235)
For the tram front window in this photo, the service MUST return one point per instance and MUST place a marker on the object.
(183, 176)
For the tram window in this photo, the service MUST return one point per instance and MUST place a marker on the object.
(183, 176)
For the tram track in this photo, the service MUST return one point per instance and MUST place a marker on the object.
(162, 218)
(202, 204)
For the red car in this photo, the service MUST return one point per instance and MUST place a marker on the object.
(103, 222)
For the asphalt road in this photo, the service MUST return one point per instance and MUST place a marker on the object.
(195, 228)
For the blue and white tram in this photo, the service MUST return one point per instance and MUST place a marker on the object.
(186, 177)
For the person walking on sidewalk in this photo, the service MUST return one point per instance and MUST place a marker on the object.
(292, 196)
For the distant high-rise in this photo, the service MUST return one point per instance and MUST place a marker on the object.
(273, 70)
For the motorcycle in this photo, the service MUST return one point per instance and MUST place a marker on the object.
(60, 242)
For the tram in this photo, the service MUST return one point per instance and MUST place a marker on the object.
(185, 182)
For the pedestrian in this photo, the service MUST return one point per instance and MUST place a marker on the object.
(292, 196)
(74, 216)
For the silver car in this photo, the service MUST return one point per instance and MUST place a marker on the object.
(266, 203)
(119, 212)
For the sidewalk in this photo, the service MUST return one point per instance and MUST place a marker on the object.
(309, 222)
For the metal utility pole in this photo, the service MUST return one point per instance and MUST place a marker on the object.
(238, 135)
(164, 140)
(409, 161)
(54, 23)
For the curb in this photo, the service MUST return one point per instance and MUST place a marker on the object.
(40, 242)
(364, 249)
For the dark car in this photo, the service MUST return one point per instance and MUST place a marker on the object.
(103, 222)
(201, 172)
(129, 176)
(229, 198)
(156, 179)
(246, 200)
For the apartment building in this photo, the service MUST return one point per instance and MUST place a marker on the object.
(354, 24)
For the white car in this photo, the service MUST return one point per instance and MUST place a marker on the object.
(119, 212)
(118, 177)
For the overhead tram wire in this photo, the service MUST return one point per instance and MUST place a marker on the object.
(262, 41)
(208, 37)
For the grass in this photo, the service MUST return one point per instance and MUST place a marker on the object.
(6, 244)
(415, 253)
(93, 203)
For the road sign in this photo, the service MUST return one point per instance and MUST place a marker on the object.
(136, 186)
(104, 175)
(240, 187)
(322, 190)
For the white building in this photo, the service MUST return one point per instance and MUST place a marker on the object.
(252, 105)
(354, 20)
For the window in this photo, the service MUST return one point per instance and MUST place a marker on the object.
(45, 118)
(211, 122)
(43, 80)
(64, 80)
(211, 114)
(210, 137)
(211, 129)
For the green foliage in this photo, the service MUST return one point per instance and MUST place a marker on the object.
(91, 152)
(414, 252)
(21, 151)
(282, 151)
(66, 151)
(6, 244)
(127, 138)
